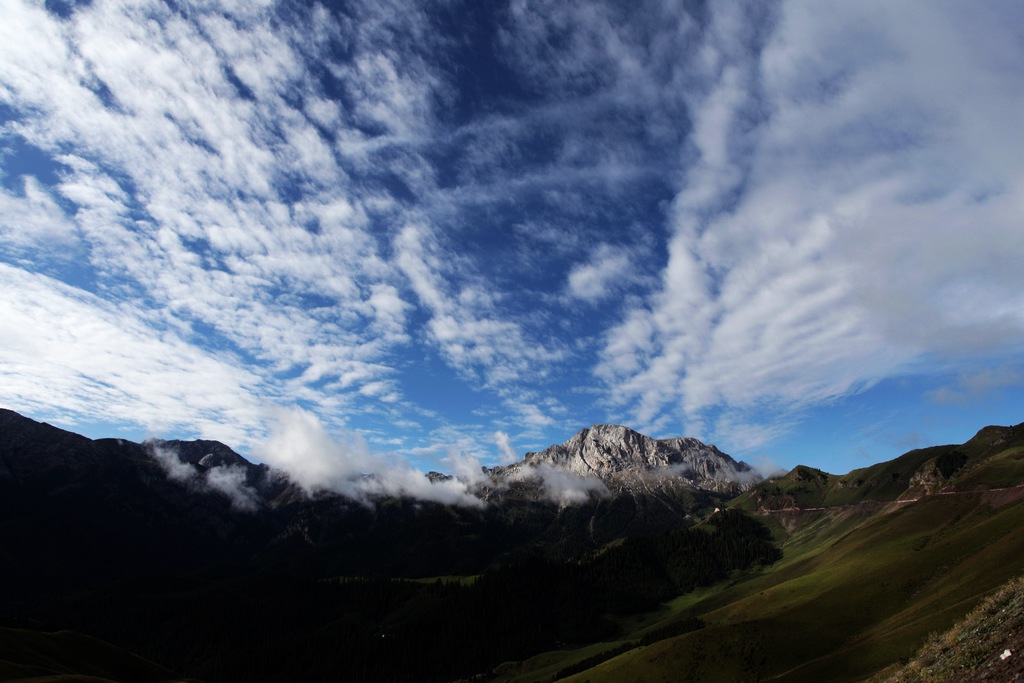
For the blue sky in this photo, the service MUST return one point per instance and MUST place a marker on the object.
(453, 232)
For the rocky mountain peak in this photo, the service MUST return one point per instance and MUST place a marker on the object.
(617, 454)
(609, 436)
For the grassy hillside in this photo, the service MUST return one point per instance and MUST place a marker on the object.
(993, 458)
(874, 561)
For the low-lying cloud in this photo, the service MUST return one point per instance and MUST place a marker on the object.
(559, 484)
(300, 446)
(228, 480)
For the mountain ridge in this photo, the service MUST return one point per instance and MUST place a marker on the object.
(615, 454)
(214, 506)
(920, 472)
(622, 457)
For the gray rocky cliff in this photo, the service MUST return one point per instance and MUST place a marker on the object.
(623, 458)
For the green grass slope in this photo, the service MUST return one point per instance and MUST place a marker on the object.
(874, 562)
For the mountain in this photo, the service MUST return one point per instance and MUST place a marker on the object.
(987, 461)
(123, 508)
(624, 459)
(75, 512)
(610, 556)
(174, 532)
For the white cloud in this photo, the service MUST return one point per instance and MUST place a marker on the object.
(107, 363)
(33, 220)
(184, 138)
(231, 482)
(560, 485)
(301, 446)
(177, 177)
(974, 387)
(609, 270)
(175, 468)
(465, 322)
(228, 480)
(504, 444)
(859, 227)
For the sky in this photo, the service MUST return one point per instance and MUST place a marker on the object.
(452, 231)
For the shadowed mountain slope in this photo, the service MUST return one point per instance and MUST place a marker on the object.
(122, 509)
(74, 512)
